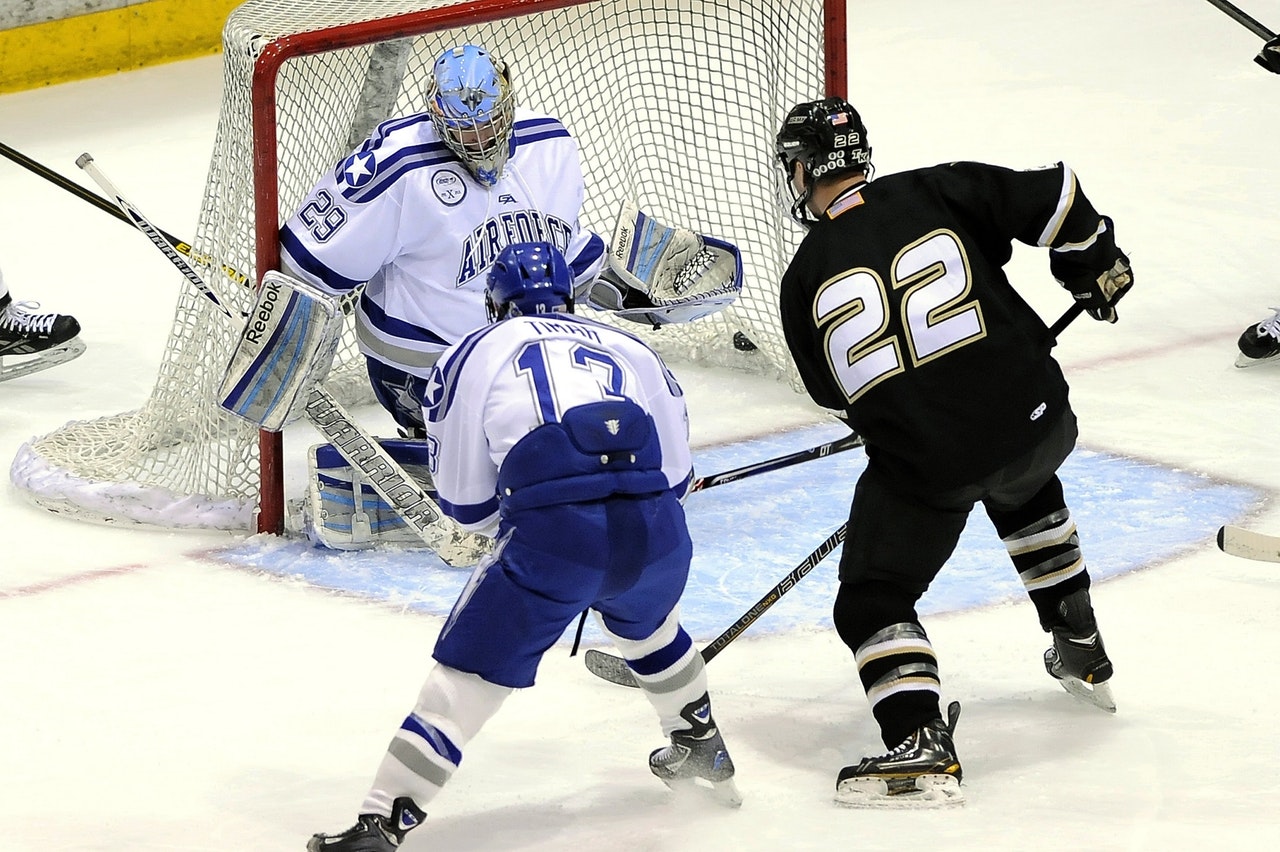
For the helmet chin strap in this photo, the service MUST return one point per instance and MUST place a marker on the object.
(800, 207)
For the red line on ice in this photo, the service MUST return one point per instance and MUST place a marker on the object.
(72, 580)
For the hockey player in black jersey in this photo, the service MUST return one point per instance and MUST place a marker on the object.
(898, 313)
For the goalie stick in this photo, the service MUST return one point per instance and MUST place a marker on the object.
(362, 452)
(615, 669)
(1247, 544)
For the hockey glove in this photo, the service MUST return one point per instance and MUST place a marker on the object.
(657, 275)
(1076, 267)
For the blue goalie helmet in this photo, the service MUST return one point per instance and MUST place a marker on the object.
(526, 279)
(472, 105)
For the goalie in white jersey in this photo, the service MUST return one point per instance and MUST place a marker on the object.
(423, 207)
(568, 440)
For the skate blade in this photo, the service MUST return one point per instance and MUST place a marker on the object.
(1244, 361)
(39, 361)
(930, 791)
(724, 793)
(1098, 694)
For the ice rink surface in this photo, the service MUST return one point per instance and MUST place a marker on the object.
(170, 691)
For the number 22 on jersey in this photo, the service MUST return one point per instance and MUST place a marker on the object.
(931, 287)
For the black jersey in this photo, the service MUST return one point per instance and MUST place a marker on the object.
(897, 310)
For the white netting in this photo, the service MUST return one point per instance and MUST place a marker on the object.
(674, 105)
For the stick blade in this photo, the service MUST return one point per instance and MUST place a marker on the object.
(1247, 544)
(608, 667)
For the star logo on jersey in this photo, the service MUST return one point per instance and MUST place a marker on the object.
(449, 187)
(359, 169)
(433, 392)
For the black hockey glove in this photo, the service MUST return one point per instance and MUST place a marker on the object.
(1077, 271)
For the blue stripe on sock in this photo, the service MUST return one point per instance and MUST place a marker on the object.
(663, 658)
(443, 745)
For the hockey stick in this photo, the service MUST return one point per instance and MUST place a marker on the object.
(1269, 56)
(1061, 323)
(615, 669)
(181, 246)
(848, 442)
(135, 218)
(1243, 18)
(1247, 544)
(385, 475)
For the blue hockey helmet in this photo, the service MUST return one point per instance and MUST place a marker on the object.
(472, 105)
(528, 278)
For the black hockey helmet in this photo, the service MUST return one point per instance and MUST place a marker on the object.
(827, 137)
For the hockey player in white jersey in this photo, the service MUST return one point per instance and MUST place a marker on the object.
(421, 209)
(567, 440)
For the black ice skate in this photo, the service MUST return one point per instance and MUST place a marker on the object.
(30, 342)
(922, 772)
(1077, 659)
(1260, 344)
(697, 754)
(373, 833)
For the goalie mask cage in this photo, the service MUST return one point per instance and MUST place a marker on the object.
(674, 103)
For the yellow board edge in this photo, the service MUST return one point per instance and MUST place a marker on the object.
(106, 42)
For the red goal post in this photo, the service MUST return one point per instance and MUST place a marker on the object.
(674, 104)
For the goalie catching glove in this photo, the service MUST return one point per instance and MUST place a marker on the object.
(1096, 272)
(657, 275)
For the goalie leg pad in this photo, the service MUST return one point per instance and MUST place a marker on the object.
(286, 347)
(346, 512)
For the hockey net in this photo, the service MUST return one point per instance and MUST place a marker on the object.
(674, 104)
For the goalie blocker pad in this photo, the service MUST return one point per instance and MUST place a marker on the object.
(657, 275)
(286, 347)
(344, 512)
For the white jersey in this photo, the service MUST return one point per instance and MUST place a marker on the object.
(403, 214)
(500, 383)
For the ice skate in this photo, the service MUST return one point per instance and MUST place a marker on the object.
(373, 833)
(697, 757)
(1260, 343)
(30, 341)
(1078, 659)
(922, 772)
